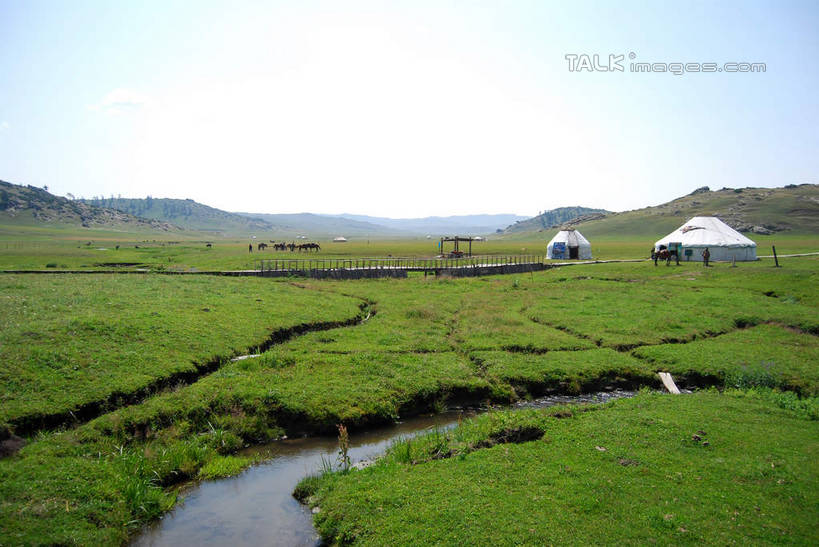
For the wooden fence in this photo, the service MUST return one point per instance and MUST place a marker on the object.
(388, 267)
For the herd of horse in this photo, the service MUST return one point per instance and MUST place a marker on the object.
(306, 247)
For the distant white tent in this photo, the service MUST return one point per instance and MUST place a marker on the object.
(722, 241)
(569, 244)
(339, 239)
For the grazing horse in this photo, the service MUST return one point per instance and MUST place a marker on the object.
(262, 246)
(208, 245)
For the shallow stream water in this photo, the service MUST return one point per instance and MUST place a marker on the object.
(257, 506)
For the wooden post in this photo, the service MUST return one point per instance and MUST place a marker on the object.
(776, 260)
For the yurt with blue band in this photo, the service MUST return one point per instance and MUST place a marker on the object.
(569, 244)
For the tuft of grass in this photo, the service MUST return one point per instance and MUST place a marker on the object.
(224, 466)
(306, 487)
(752, 376)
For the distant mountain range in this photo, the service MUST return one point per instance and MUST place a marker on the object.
(313, 225)
(166, 214)
(362, 225)
(451, 225)
(195, 216)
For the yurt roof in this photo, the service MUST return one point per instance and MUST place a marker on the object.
(706, 232)
(571, 237)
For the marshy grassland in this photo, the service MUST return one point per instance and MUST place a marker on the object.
(124, 388)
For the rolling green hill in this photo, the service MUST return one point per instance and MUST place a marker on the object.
(187, 214)
(792, 209)
(549, 219)
(31, 206)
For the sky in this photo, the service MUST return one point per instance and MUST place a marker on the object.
(407, 109)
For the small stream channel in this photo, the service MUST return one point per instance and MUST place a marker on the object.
(257, 506)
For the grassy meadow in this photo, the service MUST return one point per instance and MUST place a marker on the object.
(67, 248)
(368, 352)
(70, 340)
(704, 468)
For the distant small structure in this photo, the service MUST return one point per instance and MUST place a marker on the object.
(569, 243)
(457, 252)
(340, 239)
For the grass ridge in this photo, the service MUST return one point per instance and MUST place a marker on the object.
(34, 423)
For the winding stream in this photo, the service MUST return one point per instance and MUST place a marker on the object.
(257, 506)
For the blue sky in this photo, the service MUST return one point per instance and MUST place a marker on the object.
(404, 108)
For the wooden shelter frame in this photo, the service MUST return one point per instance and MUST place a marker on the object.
(457, 240)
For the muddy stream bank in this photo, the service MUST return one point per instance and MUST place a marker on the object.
(257, 506)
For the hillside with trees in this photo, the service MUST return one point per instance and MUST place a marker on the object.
(186, 213)
(553, 218)
(31, 205)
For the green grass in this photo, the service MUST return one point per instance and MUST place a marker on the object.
(67, 340)
(688, 303)
(564, 371)
(631, 473)
(426, 344)
(224, 466)
(765, 354)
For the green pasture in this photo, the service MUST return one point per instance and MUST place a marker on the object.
(425, 344)
(705, 468)
(67, 340)
(37, 246)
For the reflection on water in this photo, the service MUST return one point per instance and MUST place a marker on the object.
(257, 507)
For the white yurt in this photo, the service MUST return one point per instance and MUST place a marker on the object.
(569, 244)
(722, 241)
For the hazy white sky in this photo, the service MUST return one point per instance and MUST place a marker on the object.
(404, 109)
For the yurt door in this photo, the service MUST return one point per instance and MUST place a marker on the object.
(574, 252)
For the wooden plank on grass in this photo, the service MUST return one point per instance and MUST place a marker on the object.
(668, 382)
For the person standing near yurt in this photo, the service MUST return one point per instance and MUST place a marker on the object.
(706, 255)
